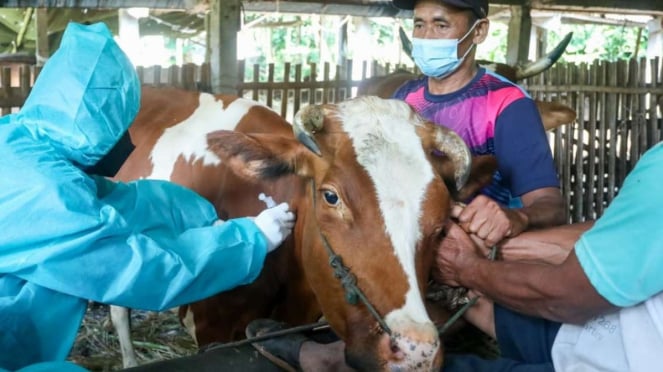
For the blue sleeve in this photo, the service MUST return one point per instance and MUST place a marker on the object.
(622, 254)
(407, 87)
(145, 245)
(521, 146)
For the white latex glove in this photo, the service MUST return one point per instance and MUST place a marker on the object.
(276, 224)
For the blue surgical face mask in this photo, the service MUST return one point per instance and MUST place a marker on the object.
(438, 58)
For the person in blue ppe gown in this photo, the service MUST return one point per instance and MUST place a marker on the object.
(69, 235)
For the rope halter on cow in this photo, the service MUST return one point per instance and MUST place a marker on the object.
(348, 280)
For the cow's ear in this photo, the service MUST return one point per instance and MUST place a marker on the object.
(481, 173)
(483, 168)
(260, 156)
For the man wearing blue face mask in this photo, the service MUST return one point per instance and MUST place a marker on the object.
(492, 115)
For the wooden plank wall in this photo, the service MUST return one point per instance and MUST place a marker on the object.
(619, 107)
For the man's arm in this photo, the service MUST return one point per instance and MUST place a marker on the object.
(543, 207)
(551, 245)
(560, 292)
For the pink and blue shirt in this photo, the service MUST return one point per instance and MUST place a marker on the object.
(494, 117)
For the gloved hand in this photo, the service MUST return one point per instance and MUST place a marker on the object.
(276, 224)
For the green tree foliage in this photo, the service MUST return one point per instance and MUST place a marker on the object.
(310, 38)
(600, 42)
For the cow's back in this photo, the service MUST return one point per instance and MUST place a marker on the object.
(170, 136)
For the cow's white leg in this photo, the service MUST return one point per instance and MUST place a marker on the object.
(120, 320)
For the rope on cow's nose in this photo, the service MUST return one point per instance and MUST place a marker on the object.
(347, 279)
(469, 304)
(349, 283)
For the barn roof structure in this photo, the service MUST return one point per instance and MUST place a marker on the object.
(346, 7)
(178, 16)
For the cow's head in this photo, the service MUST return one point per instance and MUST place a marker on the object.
(377, 177)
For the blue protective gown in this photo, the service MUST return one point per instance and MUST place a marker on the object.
(66, 237)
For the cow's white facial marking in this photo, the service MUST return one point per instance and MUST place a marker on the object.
(387, 146)
(189, 137)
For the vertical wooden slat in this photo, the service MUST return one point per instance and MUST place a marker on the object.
(654, 127)
(157, 75)
(189, 76)
(611, 119)
(140, 71)
(338, 84)
(325, 77)
(585, 142)
(174, 76)
(349, 89)
(641, 108)
(285, 92)
(602, 113)
(298, 89)
(594, 199)
(312, 81)
(269, 91)
(5, 89)
(256, 78)
(567, 77)
(206, 75)
(626, 131)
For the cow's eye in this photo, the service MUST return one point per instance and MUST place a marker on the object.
(330, 197)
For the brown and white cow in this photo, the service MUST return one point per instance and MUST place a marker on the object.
(366, 174)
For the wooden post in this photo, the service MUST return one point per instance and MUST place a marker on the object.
(655, 41)
(129, 35)
(42, 51)
(520, 24)
(224, 25)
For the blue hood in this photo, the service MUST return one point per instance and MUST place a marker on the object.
(83, 111)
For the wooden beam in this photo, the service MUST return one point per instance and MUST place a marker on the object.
(99, 4)
(628, 6)
(225, 23)
(655, 41)
(365, 8)
(42, 50)
(518, 37)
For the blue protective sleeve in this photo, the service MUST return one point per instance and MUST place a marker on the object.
(147, 244)
(66, 237)
(522, 149)
(622, 255)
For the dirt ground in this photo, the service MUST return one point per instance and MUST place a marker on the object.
(159, 336)
(156, 336)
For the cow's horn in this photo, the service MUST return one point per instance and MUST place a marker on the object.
(307, 121)
(544, 62)
(450, 143)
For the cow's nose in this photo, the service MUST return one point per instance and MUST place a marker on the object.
(416, 348)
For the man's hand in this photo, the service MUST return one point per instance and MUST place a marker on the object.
(455, 256)
(490, 222)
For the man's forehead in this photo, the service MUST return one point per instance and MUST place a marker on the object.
(435, 8)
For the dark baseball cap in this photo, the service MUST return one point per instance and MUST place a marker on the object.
(479, 7)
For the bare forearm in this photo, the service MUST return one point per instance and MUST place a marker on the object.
(545, 212)
(551, 245)
(556, 292)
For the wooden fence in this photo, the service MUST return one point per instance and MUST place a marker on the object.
(619, 106)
